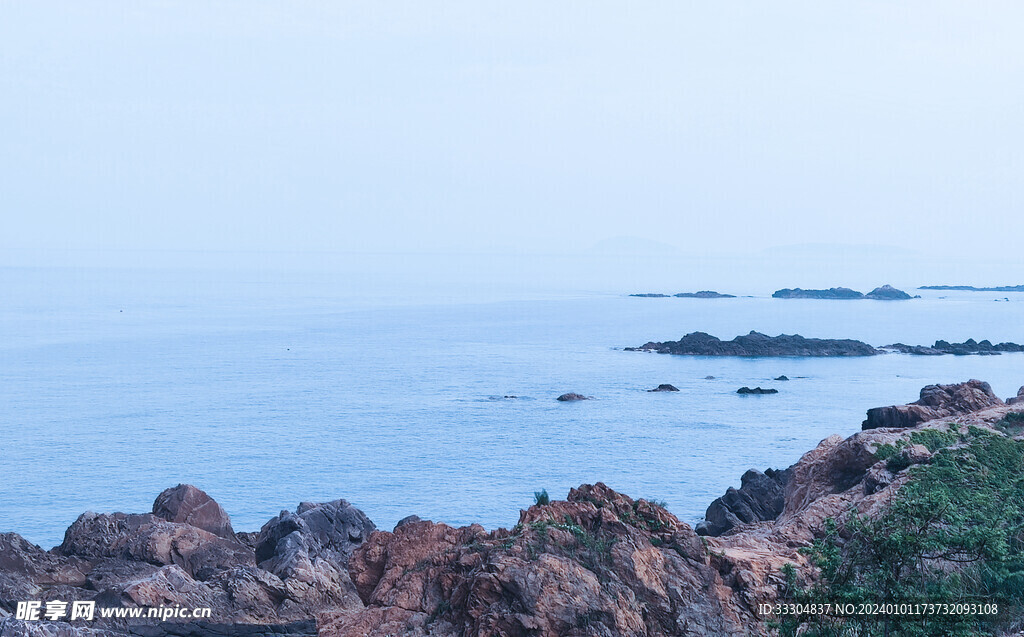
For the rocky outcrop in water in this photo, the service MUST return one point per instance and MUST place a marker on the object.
(883, 293)
(936, 401)
(651, 295)
(663, 387)
(572, 397)
(968, 347)
(757, 344)
(756, 390)
(704, 294)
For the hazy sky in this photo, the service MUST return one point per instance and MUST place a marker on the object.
(512, 126)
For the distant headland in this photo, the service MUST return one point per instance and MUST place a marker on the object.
(971, 288)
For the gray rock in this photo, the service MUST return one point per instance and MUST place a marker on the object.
(759, 498)
(664, 387)
(572, 396)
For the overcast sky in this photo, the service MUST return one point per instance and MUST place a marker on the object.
(513, 126)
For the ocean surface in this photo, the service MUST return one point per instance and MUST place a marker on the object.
(269, 389)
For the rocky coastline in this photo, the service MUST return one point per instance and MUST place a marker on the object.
(595, 564)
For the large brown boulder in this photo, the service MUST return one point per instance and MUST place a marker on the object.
(936, 401)
(189, 505)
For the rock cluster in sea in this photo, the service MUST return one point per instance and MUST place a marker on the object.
(757, 344)
(968, 347)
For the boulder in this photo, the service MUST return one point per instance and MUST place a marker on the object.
(572, 396)
(936, 401)
(664, 387)
(756, 390)
(783, 377)
(189, 505)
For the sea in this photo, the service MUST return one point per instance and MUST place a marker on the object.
(266, 389)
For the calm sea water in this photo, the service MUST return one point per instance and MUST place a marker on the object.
(269, 390)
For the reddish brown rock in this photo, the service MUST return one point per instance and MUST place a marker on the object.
(189, 505)
(598, 563)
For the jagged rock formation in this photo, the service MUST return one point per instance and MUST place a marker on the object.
(598, 563)
(757, 344)
(759, 498)
(936, 401)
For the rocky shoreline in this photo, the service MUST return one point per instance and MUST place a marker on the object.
(598, 563)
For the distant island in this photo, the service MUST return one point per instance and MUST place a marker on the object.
(703, 294)
(970, 346)
(883, 293)
(757, 344)
(971, 288)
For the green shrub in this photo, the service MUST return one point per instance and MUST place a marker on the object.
(541, 497)
(954, 533)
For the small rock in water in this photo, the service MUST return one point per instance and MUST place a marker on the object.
(571, 396)
(756, 390)
(783, 377)
(664, 387)
(709, 378)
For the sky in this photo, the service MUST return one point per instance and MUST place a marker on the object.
(589, 127)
